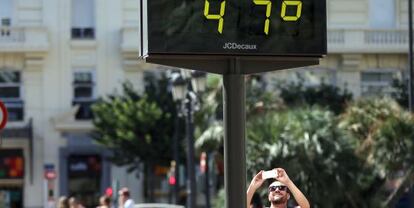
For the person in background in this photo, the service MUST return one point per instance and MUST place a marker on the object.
(279, 190)
(63, 202)
(124, 198)
(74, 203)
(105, 202)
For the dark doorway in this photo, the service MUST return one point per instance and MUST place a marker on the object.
(84, 178)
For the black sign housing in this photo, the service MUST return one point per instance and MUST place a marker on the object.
(234, 27)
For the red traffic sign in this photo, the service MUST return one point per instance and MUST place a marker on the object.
(50, 174)
(3, 119)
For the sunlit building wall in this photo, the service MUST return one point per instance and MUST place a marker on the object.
(56, 59)
(367, 47)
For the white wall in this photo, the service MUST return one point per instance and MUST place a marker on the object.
(134, 184)
(47, 81)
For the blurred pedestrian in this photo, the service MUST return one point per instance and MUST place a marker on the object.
(279, 190)
(63, 202)
(125, 200)
(104, 202)
(74, 203)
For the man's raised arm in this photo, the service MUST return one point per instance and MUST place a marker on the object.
(297, 194)
(256, 182)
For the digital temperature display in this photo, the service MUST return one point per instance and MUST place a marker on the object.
(235, 27)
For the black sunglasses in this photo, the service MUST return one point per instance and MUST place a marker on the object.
(280, 188)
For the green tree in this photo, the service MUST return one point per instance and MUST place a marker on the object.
(318, 155)
(331, 97)
(137, 128)
(209, 119)
(385, 135)
(343, 158)
(258, 99)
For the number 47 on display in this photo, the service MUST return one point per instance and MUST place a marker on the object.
(267, 3)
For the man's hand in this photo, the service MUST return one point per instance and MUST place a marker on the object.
(257, 181)
(282, 176)
(297, 194)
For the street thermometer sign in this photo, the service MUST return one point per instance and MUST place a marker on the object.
(292, 28)
(233, 38)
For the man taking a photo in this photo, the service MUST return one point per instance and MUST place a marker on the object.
(279, 190)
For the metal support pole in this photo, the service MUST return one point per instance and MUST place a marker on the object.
(191, 181)
(176, 191)
(234, 138)
(410, 55)
(410, 61)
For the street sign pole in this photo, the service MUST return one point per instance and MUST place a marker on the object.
(234, 138)
(410, 65)
(191, 178)
(410, 56)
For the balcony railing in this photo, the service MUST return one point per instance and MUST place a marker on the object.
(23, 39)
(386, 37)
(367, 41)
(11, 35)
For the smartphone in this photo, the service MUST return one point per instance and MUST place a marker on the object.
(269, 174)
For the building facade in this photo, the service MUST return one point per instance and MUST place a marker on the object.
(56, 59)
(367, 47)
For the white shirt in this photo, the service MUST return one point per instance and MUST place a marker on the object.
(129, 203)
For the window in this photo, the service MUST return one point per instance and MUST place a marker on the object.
(83, 19)
(83, 94)
(11, 164)
(377, 83)
(382, 14)
(10, 94)
(5, 17)
(11, 167)
(5, 12)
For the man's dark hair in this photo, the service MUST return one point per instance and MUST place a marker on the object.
(107, 200)
(124, 191)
